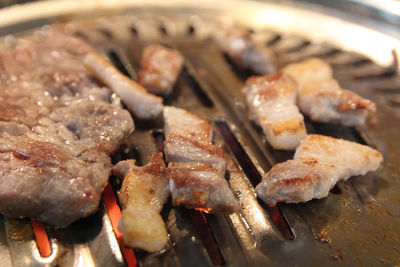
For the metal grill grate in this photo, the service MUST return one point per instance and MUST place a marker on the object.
(358, 224)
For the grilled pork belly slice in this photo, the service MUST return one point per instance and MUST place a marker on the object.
(188, 139)
(318, 164)
(199, 186)
(271, 100)
(196, 167)
(160, 69)
(143, 193)
(57, 131)
(321, 97)
(143, 104)
(245, 52)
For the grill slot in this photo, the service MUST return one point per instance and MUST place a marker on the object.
(41, 238)
(196, 87)
(333, 229)
(251, 172)
(121, 63)
(200, 223)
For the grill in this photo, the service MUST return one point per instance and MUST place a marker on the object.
(357, 224)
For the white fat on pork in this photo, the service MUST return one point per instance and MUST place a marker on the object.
(272, 105)
(143, 194)
(318, 164)
(143, 104)
(196, 167)
(321, 97)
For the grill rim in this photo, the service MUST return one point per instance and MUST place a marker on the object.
(27, 16)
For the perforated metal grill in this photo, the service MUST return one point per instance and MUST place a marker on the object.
(357, 224)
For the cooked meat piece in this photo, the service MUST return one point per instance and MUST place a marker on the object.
(321, 97)
(143, 104)
(96, 124)
(188, 139)
(160, 69)
(196, 167)
(245, 52)
(45, 182)
(143, 194)
(57, 130)
(271, 100)
(318, 164)
(53, 66)
(199, 186)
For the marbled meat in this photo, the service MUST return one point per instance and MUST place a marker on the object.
(57, 129)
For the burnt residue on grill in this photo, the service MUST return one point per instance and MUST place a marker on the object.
(357, 224)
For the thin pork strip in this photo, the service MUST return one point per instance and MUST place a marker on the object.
(321, 97)
(143, 104)
(272, 105)
(245, 52)
(160, 69)
(196, 167)
(143, 194)
(318, 164)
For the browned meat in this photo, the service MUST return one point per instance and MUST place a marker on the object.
(188, 139)
(318, 164)
(196, 167)
(143, 194)
(272, 105)
(56, 132)
(199, 186)
(321, 97)
(243, 51)
(45, 182)
(160, 69)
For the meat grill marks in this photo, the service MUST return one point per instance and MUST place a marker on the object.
(272, 105)
(318, 164)
(57, 131)
(195, 166)
(188, 139)
(238, 45)
(160, 69)
(321, 97)
(143, 193)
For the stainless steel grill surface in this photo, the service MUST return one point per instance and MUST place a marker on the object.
(358, 224)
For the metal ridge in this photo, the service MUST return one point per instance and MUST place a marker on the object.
(291, 18)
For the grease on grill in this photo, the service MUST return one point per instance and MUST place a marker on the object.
(196, 87)
(201, 225)
(254, 176)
